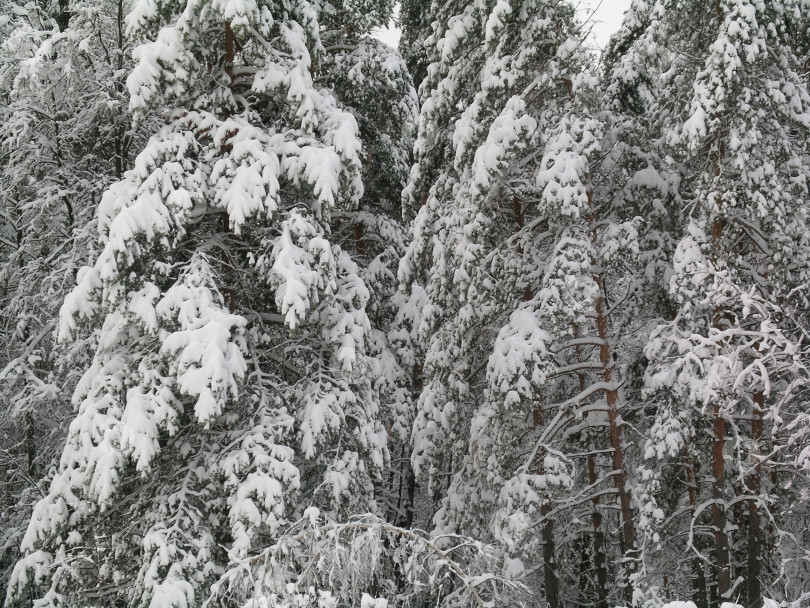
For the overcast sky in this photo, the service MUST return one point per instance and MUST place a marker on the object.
(605, 17)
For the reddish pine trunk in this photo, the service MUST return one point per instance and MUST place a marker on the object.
(615, 436)
(628, 525)
(719, 518)
(719, 322)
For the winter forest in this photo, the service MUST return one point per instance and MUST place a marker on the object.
(290, 318)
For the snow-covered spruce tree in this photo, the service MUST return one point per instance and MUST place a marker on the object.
(64, 137)
(518, 242)
(230, 390)
(728, 370)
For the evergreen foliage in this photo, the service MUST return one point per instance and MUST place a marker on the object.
(65, 136)
(277, 330)
(727, 368)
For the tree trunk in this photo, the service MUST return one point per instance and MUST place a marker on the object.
(599, 558)
(228, 293)
(699, 595)
(121, 133)
(598, 541)
(616, 443)
(628, 525)
(64, 15)
(230, 51)
(30, 440)
(552, 581)
(721, 557)
(359, 244)
(753, 585)
(719, 321)
(549, 565)
(520, 220)
(409, 509)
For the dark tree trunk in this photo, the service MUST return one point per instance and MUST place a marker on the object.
(359, 244)
(520, 220)
(228, 292)
(699, 595)
(721, 556)
(599, 560)
(31, 447)
(549, 563)
(63, 16)
(552, 581)
(753, 584)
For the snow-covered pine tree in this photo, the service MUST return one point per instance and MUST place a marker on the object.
(231, 388)
(64, 136)
(643, 183)
(415, 20)
(373, 82)
(728, 368)
(517, 249)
